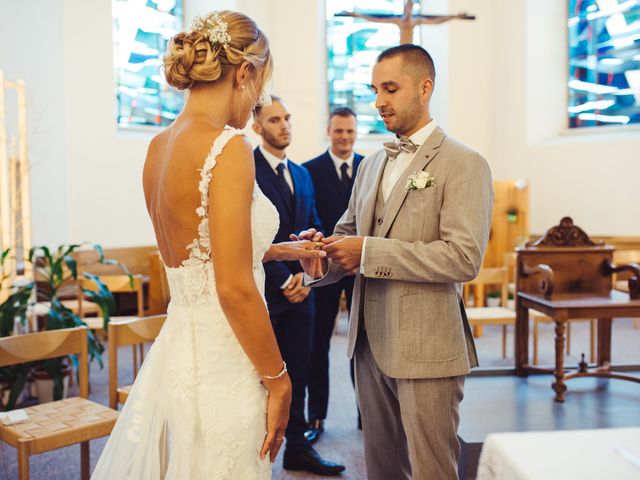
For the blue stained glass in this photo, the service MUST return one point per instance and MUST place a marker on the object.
(604, 62)
(141, 32)
(352, 47)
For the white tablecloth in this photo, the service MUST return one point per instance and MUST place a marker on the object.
(604, 454)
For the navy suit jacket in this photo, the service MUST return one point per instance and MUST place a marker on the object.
(293, 219)
(331, 199)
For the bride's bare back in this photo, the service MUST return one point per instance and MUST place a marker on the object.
(170, 179)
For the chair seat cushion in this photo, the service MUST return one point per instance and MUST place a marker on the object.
(97, 323)
(59, 424)
(491, 315)
(87, 307)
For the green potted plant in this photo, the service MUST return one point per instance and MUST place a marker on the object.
(13, 308)
(493, 298)
(55, 272)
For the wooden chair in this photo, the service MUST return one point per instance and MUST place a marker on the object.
(482, 316)
(621, 280)
(61, 423)
(69, 294)
(128, 332)
(117, 284)
(158, 286)
(566, 275)
(538, 317)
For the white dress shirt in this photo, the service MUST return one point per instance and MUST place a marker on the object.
(338, 162)
(273, 163)
(395, 170)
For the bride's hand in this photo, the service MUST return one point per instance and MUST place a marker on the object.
(295, 250)
(278, 405)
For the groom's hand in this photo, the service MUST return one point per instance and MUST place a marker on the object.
(314, 267)
(311, 234)
(346, 251)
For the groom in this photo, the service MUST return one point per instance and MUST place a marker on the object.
(417, 227)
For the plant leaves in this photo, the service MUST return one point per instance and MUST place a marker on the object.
(72, 265)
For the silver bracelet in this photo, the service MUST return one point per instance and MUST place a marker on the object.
(279, 375)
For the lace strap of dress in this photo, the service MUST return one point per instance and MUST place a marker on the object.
(200, 248)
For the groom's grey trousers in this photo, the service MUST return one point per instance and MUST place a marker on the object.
(409, 425)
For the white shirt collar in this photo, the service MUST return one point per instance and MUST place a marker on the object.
(338, 162)
(421, 135)
(272, 159)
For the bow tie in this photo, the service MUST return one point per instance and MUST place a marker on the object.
(402, 144)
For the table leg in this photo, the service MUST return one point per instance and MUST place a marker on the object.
(521, 339)
(604, 341)
(558, 386)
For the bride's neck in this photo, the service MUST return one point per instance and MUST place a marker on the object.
(213, 102)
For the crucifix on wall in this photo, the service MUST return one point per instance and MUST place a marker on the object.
(407, 21)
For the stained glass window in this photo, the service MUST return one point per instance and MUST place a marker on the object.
(604, 62)
(141, 30)
(353, 45)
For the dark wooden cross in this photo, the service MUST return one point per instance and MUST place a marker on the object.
(407, 22)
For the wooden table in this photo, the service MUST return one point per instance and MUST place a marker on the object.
(563, 307)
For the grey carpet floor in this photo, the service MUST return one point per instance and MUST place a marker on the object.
(342, 442)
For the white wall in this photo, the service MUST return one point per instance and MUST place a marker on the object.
(508, 97)
(106, 203)
(501, 89)
(35, 55)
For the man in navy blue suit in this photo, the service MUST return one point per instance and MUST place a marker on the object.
(332, 173)
(290, 189)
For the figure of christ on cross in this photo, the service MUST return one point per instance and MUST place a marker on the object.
(407, 22)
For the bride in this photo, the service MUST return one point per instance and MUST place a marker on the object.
(212, 398)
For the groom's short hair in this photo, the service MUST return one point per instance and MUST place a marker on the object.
(417, 60)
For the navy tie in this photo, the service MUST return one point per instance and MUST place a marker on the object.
(284, 186)
(344, 177)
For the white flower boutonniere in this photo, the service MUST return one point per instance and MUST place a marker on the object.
(420, 180)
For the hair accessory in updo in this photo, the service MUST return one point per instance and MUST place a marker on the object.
(214, 27)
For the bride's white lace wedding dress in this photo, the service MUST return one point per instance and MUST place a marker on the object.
(197, 409)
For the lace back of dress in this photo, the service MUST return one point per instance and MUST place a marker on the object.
(200, 247)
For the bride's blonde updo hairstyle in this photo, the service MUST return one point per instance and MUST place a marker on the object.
(214, 46)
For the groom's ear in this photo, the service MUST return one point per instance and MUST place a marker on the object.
(426, 88)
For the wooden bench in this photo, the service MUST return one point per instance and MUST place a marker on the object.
(144, 261)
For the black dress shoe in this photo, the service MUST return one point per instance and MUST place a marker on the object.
(315, 429)
(310, 461)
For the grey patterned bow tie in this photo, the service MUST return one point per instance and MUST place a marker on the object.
(402, 144)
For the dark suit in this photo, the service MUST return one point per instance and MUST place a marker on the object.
(292, 323)
(332, 199)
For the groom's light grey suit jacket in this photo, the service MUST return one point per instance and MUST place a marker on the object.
(421, 244)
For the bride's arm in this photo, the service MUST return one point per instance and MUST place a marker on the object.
(230, 197)
(294, 250)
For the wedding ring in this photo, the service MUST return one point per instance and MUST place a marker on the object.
(319, 244)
